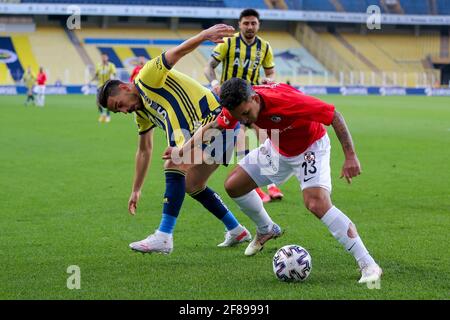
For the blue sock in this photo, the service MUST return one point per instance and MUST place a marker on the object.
(167, 223)
(214, 204)
(173, 199)
(230, 221)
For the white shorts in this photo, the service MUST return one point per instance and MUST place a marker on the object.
(40, 89)
(312, 167)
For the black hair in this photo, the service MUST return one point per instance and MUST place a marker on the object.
(249, 13)
(235, 91)
(110, 88)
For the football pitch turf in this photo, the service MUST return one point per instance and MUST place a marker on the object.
(65, 180)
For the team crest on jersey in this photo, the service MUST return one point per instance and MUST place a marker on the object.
(275, 119)
(310, 156)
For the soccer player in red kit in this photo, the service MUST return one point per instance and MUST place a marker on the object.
(138, 68)
(298, 144)
(41, 80)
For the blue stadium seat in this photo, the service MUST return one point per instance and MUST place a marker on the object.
(416, 7)
(317, 5)
(409, 6)
(443, 6)
(256, 4)
(189, 3)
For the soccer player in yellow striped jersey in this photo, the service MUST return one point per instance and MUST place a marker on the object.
(242, 56)
(163, 97)
(104, 71)
(29, 80)
(174, 102)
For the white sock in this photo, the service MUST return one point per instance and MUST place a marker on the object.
(339, 225)
(252, 205)
(236, 230)
(163, 234)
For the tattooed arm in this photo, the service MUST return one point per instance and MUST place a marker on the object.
(351, 167)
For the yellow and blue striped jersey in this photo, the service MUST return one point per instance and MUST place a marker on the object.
(29, 79)
(104, 72)
(173, 102)
(240, 60)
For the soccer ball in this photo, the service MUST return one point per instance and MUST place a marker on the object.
(292, 263)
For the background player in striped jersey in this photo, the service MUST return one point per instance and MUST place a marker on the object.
(104, 71)
(168, 99)
(29, 79)
(242, 56)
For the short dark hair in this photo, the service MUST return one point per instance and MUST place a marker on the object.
(108, 89)
(235, 91)
(249, 13)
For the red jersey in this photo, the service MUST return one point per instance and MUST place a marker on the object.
(41, 78)
(135, 72)
(298, 117)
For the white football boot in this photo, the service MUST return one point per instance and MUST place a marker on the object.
(261, 238)
(154, 243)
(232, 238)
(370, 273)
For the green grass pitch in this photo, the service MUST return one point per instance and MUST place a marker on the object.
(65, 180)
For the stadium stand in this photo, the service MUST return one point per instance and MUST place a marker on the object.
(401, 6)
(443, 6)
(326, 55)
(403, 54)
(67, 67)
(188, 3)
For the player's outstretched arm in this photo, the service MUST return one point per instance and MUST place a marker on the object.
(352, 167)
(143, 157)
(215, 34)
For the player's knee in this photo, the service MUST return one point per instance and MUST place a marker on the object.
(316, 205)
(231, 187)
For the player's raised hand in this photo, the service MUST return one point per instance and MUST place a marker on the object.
(351, 169)
(132, 202)
(217, 32)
